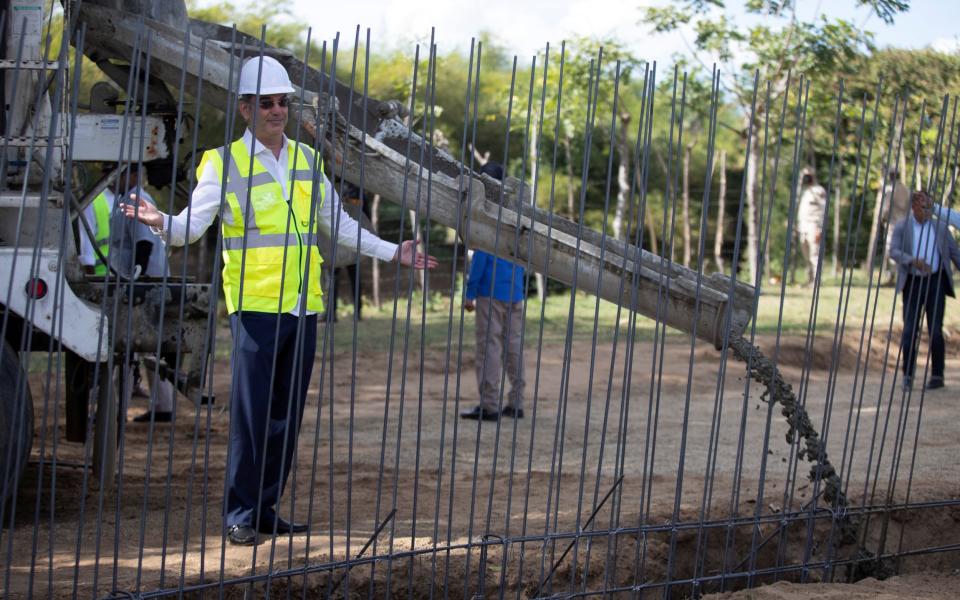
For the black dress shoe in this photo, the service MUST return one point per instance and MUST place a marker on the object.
(282, 527)
(241, 535)
(509, 411)
(479, 412)
(935, 383)
(159, 416)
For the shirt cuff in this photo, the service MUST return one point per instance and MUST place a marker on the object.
(166, 225)
(161, 232)
(385, 251)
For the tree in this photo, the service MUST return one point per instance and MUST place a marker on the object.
(776, 44)
(920, 77)
(606, 65)
(721, 209)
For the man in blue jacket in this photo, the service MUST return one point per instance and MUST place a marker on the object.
(495, 289)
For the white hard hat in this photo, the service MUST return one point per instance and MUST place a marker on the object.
(273, 77)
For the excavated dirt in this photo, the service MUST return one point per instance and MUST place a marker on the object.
(503, 483)
(927, 586)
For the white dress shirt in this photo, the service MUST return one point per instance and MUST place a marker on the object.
(925, 243)
(205, 205)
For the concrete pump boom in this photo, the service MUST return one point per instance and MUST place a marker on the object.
(499, 220)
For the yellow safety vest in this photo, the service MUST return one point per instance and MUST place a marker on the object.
(101, 211)
(270, 251)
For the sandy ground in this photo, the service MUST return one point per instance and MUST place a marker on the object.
(925, 586)
(390, 439)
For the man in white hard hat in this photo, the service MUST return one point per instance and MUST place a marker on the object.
(273, 207)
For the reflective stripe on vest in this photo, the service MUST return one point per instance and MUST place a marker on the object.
(101, 211)
(270, 252)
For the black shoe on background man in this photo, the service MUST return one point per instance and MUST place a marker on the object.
(509, 411)
(479, 412)
(159, 416)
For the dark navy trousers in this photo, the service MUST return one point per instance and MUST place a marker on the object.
(924, 294)
(265, 411)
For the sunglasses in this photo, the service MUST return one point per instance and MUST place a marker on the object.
(267, 103)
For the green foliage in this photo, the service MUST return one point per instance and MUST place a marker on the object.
(771, 40)
(276, 18)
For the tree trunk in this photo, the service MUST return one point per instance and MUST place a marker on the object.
(375, 270)
(751, 184)
(904, 173)
(948, 190)
(875, 225)
(623, 174)
(685, 199)
(480, 159)
(836, 221)
(651, 231)
(571, 209)
(419, 274)
(414, 224)
(721, 210)
(534, 168)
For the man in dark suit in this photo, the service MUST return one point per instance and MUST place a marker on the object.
(923, 250)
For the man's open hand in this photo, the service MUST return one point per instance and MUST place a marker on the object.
(140, 209)
(408, 255)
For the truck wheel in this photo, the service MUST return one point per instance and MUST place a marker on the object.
(16, 421)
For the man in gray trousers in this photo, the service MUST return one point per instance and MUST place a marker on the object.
(923, 249)
(495, 288)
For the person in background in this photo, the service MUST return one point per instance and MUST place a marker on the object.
(810, 212)
(923, 250)
(495, 289)
(97, 215)
(149, 259)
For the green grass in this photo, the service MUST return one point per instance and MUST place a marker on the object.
(433, 325)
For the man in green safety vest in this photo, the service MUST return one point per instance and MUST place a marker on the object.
(97, 215)
(137, 246)
(274, 194)
(148, 258)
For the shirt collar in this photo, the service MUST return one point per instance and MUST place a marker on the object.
(259, 148)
